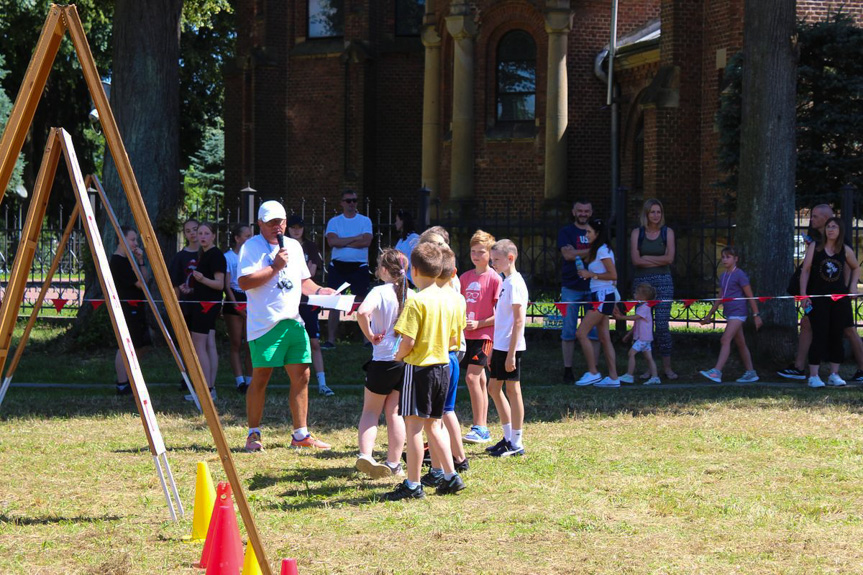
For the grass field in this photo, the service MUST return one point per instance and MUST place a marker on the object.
(697, 479)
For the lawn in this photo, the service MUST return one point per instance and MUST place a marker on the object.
(749, 479)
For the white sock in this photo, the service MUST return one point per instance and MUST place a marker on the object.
(507, 431)
(392, 463)
(254, 430)
(240, 380)
(300, 433)
(411, 485)
(248, 379)
(322, 378)
(448, 476)
(516, 438)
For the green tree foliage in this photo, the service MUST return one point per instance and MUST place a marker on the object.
(206, 43)
(204, 180)
(829, 112)
(5, 110)
(66, 101)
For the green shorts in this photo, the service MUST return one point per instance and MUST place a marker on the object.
(286, 343)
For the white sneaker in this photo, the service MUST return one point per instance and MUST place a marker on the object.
(748, 376)
(653, 381)
(815, 381)
(626, 378)
(372, 468)
(588, 379)
(607, 382)
(835, 381)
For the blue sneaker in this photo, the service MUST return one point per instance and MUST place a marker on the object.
(478, 434)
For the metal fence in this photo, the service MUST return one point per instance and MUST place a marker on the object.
(695, 271)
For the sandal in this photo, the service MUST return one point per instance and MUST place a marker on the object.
(671, 375)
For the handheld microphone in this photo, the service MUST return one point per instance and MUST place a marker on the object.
(281, 239)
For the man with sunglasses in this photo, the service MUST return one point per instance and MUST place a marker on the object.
(349, 235)
(273, 272)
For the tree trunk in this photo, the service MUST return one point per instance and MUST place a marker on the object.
(765, 207)
(145, 98)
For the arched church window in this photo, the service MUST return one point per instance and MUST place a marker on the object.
(516, 77)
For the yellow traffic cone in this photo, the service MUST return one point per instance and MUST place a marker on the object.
(205, 498)
(250, 562)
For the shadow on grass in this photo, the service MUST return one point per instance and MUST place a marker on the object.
(54, 520)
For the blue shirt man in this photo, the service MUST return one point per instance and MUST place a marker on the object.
(573, 244)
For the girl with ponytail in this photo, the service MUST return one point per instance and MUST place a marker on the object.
(376, 317)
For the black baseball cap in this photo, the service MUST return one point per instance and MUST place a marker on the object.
(295, 220)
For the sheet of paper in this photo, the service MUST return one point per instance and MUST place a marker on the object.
(339, 302)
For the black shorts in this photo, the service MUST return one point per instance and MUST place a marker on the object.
(477, 352)
(310, 313)
(354, 273)
(201, 321)
(609, 300)
(424, 391)
(497, 366)
(136, 321)
(229, 308)
(384, 377)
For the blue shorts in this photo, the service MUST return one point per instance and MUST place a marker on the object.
(570, 320)
(449, 404)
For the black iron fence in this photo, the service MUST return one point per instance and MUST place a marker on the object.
(534, 231)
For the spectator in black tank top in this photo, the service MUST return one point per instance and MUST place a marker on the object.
(823, 273)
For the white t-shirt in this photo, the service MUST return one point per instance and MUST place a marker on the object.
(233, 259)
(513, 290)
(348, 227)
(385, 312)
(597, 267)
(279, 298)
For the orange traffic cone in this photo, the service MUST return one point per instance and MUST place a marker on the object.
(205, 498)
(250, 562)
(289, 567)
(223, 550)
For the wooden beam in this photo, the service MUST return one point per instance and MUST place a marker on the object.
(27, 247)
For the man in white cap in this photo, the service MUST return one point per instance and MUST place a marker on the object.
(273, 278)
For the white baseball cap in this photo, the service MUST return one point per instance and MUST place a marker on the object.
(271, 210)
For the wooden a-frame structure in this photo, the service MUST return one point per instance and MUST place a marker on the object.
(60, 20)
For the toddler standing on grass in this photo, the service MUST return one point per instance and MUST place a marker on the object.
(642, 335)
(733, 283)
